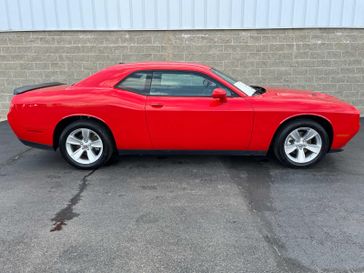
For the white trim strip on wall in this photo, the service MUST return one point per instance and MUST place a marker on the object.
(38, 15)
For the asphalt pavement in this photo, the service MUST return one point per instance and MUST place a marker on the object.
(180, 213)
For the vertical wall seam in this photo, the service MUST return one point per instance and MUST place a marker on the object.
(317, 13)
(218, 2)
(180, 14)
(329, 11)
(205, 13)
(131, 14)
(267, 14)
(156, 4)
(31, 12)
(45, 20)
(354, 13)
(193, 13)
(69, 19)
(143, 13)
(255, 13)
(305, 12)
(81, 14)
(230, 13)
(106, 15)
(292, 12)
(242, 9)
(280, 13)
(168, 19)
(93, 13)
(342, 13)
(7, 14)
(19, 14)
(56, 13)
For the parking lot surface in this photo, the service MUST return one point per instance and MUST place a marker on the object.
(180, 213)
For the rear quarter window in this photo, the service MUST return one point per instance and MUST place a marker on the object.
(136, 82)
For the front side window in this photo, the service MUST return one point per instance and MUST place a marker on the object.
(136, 82)
(183, 84)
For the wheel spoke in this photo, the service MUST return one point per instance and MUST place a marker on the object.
(310, 135)
(91, 156)
(77, 154)
(301, 156)
(313, 148)
(96, 144)
(85, 134)
(296, 135)
(74, 141)
(290, 148)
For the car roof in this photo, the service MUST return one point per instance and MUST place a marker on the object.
(152, 65)
(112, 74)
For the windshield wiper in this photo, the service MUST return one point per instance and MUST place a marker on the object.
(258, 90)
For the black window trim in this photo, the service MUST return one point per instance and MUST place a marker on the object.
(148, 83)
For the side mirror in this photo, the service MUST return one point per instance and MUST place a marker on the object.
(219, 93)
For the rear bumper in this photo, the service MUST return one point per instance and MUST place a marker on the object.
(27, 134)
(36, 145)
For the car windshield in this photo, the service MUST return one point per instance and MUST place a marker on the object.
(246, 89)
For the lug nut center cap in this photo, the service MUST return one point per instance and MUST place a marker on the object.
(301, 145)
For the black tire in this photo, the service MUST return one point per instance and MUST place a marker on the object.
(114, 158)
(279, 142)
(103, 133)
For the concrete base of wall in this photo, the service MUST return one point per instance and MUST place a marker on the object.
(326, 60)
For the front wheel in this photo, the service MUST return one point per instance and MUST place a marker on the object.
(86, 144)
(301, 143)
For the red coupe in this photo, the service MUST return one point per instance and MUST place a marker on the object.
(166, 107)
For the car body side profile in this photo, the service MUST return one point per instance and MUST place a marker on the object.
(171, 107)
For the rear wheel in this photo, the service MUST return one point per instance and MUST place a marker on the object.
(86, 144)
(301, 143)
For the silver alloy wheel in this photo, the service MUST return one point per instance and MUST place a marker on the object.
(303, 145)
(84, 146)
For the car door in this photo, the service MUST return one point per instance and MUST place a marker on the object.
(182, 115)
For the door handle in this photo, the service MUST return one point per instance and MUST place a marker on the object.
(157, 105)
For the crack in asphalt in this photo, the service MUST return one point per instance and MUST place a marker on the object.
(14, 158)
(67, 213)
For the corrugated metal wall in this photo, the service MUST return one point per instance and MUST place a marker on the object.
(24, 15)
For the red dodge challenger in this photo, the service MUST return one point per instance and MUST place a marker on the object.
(167, 107)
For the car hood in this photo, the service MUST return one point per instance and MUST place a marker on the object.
(294, 94)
